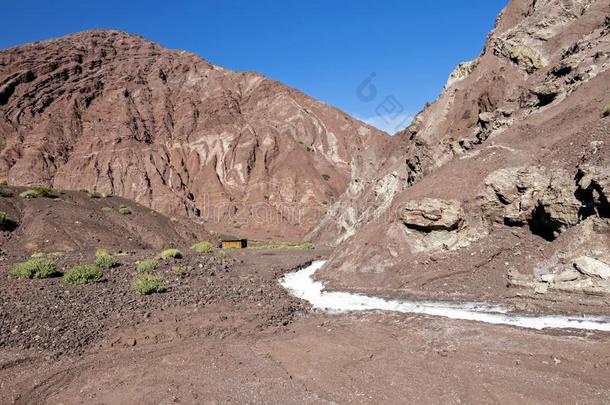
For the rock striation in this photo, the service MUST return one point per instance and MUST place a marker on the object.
(112, 112)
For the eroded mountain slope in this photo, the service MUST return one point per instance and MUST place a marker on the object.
(115, 113)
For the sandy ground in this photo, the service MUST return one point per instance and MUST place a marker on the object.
(219, 353)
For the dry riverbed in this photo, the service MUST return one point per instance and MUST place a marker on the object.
(243, 347)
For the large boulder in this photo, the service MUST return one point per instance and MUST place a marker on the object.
(431, 214)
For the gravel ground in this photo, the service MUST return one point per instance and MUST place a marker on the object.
(49, 315)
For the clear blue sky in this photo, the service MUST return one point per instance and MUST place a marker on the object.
(325, 48)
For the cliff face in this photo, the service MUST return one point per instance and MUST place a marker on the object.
(114, 113)
(502, 152)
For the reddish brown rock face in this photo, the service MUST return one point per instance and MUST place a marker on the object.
(114, 113)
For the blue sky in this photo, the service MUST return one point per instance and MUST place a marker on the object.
(325, 48)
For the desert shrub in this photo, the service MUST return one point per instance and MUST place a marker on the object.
(148, 284)
(2, 252)
(28, 194)
(181, 270)
(148, 265)
(171, 253)
(124, 210)
(606, 111)
(221, 254)
(83, 274)
(33, 268)
(94, 194)
(107, 209)
(5, 193)
(326, 177)
(38, 192)
(38, 255)
(45, 192)
(3, 218)
(203, 247)
(105, 261)
(83, 190)
(105, 195)
(101, 252)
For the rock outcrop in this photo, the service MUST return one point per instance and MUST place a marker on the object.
(539, 197)
(432, 214)
(519, 140)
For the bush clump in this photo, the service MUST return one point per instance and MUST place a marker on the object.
(33, 268)
(105, 261)
(181, 271)
(124, 210)
(83, 274)
(148, 284)
(148, 265)
(101, 252)
(171, 254)
(28, 194)
(38, 192)
(2, 252)
(5, 193)
(3, 218)
(107, 209)
(203, 247)
(606, 111)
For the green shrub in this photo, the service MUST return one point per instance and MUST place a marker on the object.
(124, 210)
(203, 247)
(148, 284)
(83, 274)
(171, 253)
(29, 194)
(606, 111)
(38, 255)
(94, 195)
(107, 209)
(5, 193)
(181, 270)
(45, 192)
(2, 252)
(38, 192)
(3, 218)
(105, 261)
(33, 268)
(148, 265)
(101, 252)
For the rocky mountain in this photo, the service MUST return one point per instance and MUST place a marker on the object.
(111, 112)
(501, 181)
